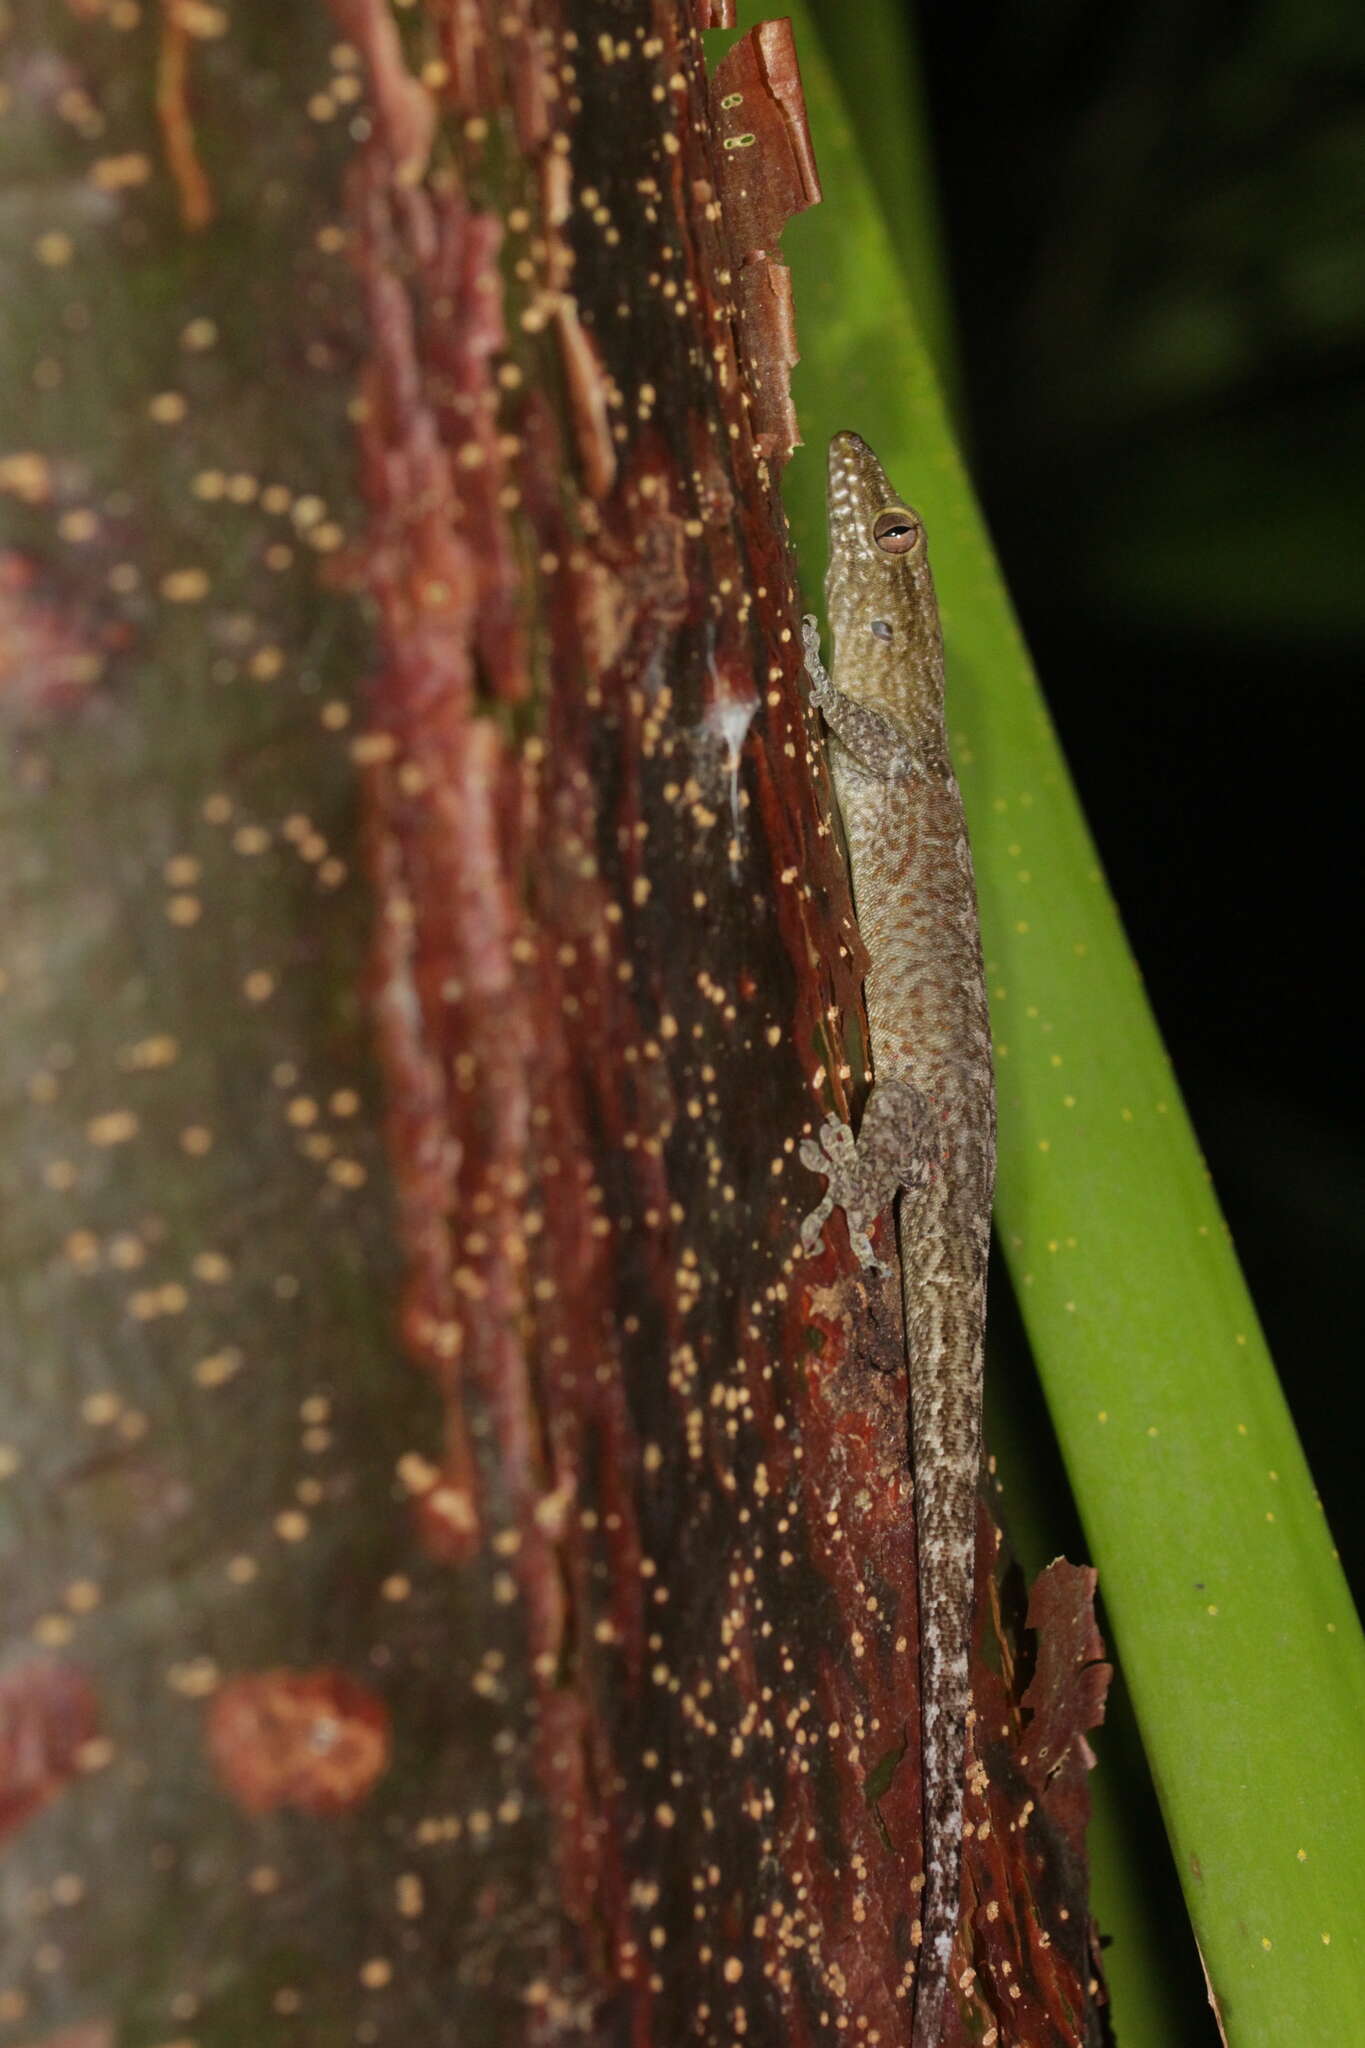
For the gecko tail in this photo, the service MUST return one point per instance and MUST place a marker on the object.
(931, 1997)
(944, 1755)
(945, 1506)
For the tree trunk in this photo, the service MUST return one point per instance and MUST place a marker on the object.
(460, 1568)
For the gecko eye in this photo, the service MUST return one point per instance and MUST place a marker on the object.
(880, 629)
(896, 532)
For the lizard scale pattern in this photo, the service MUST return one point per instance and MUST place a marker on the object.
(929, 1127)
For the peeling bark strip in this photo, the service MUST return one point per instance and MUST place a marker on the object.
(611, 929)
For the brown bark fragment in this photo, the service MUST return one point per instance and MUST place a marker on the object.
(48, 1718)
(173, 112)
(313, 1740)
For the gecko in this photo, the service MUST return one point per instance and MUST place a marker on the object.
(928, 1130)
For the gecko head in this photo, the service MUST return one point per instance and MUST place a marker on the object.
(879, 592)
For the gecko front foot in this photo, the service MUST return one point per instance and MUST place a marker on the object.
(822, 691)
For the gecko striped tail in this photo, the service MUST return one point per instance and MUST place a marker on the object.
(945, 1412)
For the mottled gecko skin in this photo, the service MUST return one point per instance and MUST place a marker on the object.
(929, 1126)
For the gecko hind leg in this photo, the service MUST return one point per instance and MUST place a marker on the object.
(863, 1174)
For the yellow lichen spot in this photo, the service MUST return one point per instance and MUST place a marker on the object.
(146, 1054)
(369, 748)
(115, 1127)
(1266, 1942)
(184, 586)
(26, 476)
(1212, 1608)
(1301, 1855)
(196, 1679)
(218, 1368)
(54, 249)
(150, 1302)
(78, 526)
(199, 19)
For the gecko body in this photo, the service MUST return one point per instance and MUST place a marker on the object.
(928, 1131)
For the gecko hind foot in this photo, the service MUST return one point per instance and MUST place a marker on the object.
(890, 1152)
(835, 1154)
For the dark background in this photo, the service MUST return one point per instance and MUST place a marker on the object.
(1154, 221)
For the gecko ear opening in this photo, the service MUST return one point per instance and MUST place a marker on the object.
(896, 531)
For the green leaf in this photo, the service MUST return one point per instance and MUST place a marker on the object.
(1236, 1633)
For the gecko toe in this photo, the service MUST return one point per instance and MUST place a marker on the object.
(837, 1138)
(863, 1252)
(814, 1223)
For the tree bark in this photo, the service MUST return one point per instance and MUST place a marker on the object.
(461, 1569)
